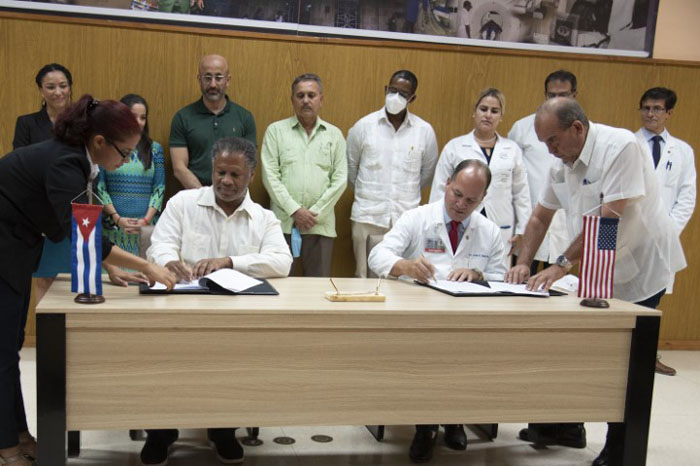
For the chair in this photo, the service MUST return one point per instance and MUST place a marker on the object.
(145, 240)
(372, 241)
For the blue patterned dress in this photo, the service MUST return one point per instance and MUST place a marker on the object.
(132, 190)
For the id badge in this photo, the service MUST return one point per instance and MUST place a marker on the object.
(434, 245)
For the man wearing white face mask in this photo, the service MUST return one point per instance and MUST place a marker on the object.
(391, 157)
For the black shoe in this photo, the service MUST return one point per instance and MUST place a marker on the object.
(155, 450)
(228, 450)
(572, 435)
(455, 437)
(422, 446)
(602, 459)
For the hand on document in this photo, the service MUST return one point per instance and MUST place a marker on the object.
(206, 266)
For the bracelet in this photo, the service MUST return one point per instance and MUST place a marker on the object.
(148, 222)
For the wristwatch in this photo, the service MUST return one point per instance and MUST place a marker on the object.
(564, 263)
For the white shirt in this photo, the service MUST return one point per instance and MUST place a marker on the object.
(676, 175)
(389, 167)
(422, 231)
(507, 200)
(538, 161)
(611, 167)
(194, 227)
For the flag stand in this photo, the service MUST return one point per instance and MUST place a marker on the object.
(84, 298)
(593, 302)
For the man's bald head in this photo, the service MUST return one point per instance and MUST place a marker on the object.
(212, 60)
(566, 110)
(562, 125)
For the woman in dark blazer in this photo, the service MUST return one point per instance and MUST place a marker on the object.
(55, 84)
(37, 185)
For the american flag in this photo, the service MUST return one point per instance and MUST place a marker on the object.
(86, 249)
(598, 260)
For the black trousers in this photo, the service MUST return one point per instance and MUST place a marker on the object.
(13, 317)
(170, 435)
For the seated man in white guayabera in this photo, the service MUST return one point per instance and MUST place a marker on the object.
(211, 228)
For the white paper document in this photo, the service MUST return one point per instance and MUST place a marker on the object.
(494, 288)
(517, 289)
(460, 287)
(230, 279)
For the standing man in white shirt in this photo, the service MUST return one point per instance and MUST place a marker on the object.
(211, 228)
(602, 170)
(444, 240)
(391, 157)
(538, 160)
(674, 164)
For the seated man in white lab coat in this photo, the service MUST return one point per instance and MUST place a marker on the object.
(211, 228)
(444, 240)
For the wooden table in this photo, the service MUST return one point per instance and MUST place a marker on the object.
(194, 361)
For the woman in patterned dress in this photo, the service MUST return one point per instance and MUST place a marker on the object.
(133, 194)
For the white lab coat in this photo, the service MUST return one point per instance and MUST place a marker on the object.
(537, 161)
(676, 176)
(423, 231)
(507, 200)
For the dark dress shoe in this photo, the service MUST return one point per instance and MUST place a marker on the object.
(455, 437)
(224, 441)
(572, 435)
(422, 446)
(155, 450)
(663, 369)
(602, 459)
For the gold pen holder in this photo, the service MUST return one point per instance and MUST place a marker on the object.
(362, 296)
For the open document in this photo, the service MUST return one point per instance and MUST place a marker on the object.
(484, 288)
(222, 281)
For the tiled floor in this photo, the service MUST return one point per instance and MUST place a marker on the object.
(675, 429)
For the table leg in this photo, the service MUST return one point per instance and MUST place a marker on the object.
(632, 436)
(51, 388)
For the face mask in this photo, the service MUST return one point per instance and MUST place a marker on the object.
(395, 103)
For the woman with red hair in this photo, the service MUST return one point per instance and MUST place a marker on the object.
(37, 185)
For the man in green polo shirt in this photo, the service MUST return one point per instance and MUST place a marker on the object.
(196, 127)
(305, 170)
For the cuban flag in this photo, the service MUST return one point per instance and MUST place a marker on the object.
(86, 249)
(598, 260)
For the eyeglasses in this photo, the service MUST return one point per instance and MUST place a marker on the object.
(208, 78)
(656, 110)
(124, 155)
(393, 90)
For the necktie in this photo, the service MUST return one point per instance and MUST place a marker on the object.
(656, 150)
(454, 235)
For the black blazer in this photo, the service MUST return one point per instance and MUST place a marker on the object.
(32, 128)
(37, 184)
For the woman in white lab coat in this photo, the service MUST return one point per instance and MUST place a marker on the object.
(507, 202)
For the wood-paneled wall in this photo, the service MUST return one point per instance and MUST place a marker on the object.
(109, 59)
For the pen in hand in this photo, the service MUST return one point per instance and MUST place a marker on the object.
(430, 268)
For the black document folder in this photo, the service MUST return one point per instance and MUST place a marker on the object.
(212, 288)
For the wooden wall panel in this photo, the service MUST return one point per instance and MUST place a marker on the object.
(160, 62)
